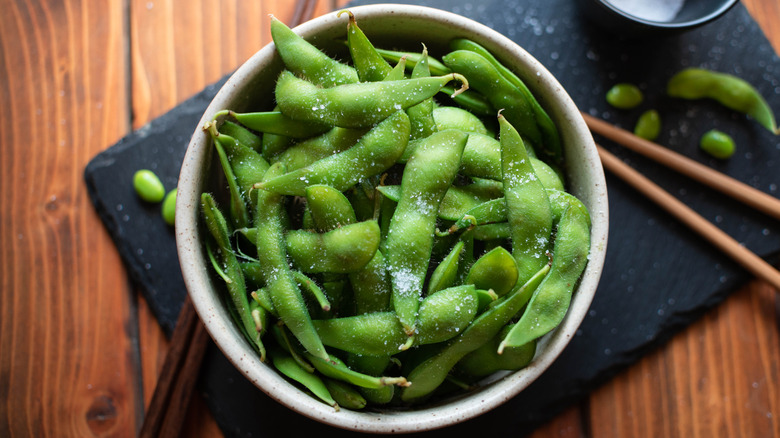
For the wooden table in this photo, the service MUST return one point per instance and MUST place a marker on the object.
(79, 349)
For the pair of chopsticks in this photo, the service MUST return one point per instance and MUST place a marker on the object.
(699, 172)
(176, 383)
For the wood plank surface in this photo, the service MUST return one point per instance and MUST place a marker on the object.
(68, 361)
(79, 349)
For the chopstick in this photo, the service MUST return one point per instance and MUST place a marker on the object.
(743, 256)
(179, 373)
(736, 189)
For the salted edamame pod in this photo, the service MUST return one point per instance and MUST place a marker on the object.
(341, 250)
(550, 302)
(355, 105)
(369, 64)
(374, 153)
(428, 174)
(303, 58)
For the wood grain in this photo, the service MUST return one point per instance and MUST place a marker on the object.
(68, 365)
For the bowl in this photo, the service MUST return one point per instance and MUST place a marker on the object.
(638, 18)
(399, 26)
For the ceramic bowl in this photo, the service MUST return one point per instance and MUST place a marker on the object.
(637, 18)
(400, 26)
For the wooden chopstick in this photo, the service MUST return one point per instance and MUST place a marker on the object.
(736, 189)
(686, 215)
(178, 375)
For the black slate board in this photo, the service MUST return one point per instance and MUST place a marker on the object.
(658, 276)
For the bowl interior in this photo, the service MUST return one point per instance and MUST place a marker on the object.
(398, 27)
(690, 13)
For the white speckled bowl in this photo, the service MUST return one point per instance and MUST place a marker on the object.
(388, 25)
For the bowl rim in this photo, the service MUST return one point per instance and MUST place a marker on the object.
(502, 387)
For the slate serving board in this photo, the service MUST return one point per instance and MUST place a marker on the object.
(658, 276)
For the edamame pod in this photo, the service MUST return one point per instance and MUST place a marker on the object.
(428, 375)
(729, 90)
(329, 208)
(550, 302)
(495, 270)
(316, 148)
(342, 250)
(290, 368)
(485, 360)
(447, 270)
(234, 277)
(369, 64)
(428, 174)
(374, 153)
(303, 58)
(276, 272)
(354, 105)
(275, 122)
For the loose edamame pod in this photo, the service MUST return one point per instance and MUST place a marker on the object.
(355, 105)
(733, 92)
(302, 57)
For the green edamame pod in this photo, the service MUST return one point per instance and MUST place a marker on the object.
(421, 115)
(354, 105)
(496, 270)
(240, 133)
(550, 135)
(733, 92)
(373, 334)
(455, 203)
(447, 270)
(290, 368)
(485, 360)
(482, 159)
(239, 216)
(398, 72)
(550, 302)
(329, 208)
(234, 277)
(276, 272)
(303, 58)
(435, 66)
(247, 165)
(445, 314)
(527, 204)
(374, 153)
(345, 395)
(276, 122)
(342, 250)
(428, 375)
(428, 174)
(497, 231)
(484, 78)
(335, 368)
(369, 64)
(452, 117)
(316, 148)
(371, 286)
